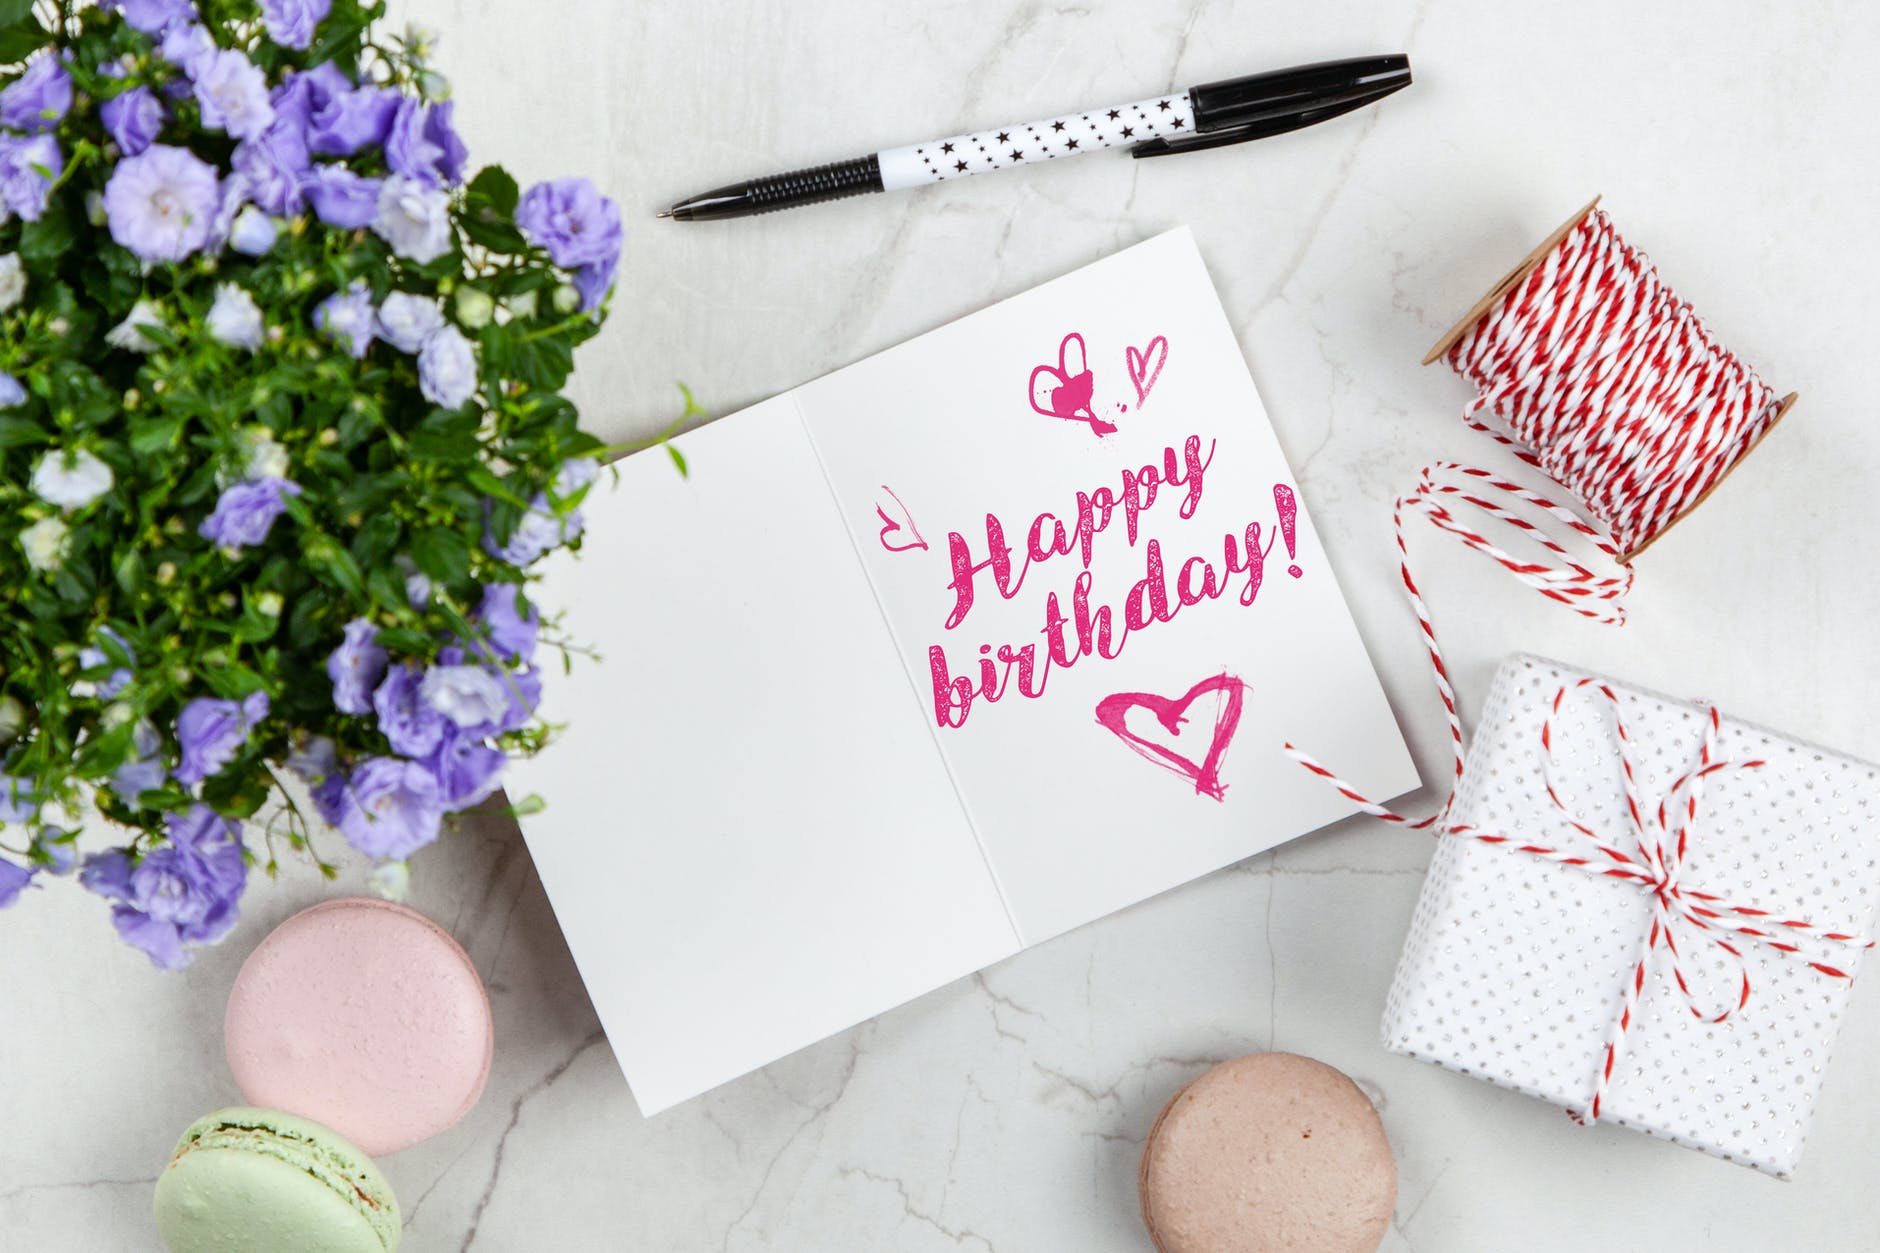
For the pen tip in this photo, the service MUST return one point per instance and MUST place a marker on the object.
(663, 213)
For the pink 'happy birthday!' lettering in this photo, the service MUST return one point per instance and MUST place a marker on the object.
(1100, 630)
(1094, 510)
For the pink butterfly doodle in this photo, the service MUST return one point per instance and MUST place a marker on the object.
(1064, 390)
(1145, 365)
(1172, 714)
(892, 526)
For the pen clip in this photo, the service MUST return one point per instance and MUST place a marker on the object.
(1278, 124)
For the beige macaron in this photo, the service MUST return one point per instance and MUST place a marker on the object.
(1271, 1153)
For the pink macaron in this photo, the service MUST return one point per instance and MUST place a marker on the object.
(365, 1016)
(1272, 1153)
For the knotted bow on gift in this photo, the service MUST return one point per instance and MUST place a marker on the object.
(1659, 837)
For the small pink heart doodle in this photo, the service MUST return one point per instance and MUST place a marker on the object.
(1064, 390)
(1145, 366)
(1172, 714)
(893, 526)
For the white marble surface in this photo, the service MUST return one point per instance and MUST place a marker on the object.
(1735, 141)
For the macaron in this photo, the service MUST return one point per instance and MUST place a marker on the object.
(243, 1180)
(1271, 1153)
(365, 1016)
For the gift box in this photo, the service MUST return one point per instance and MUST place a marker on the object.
(1645, 911)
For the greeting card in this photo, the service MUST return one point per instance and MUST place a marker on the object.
(931, 659)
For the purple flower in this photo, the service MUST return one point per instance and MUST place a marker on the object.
(523, 690)
(412, 725)
(304, 92)
(393, 809)
(290, 23)
(341, 198)
(143, 771)
(245, 512)
(233, 94)
(512, 635)
(406, 320)
(12, 392)
(188, 47)
(356, 667)
(162, 203)
(153, 16)
(93, 657)
(184, 893)
(134, 118)
(537, 531)
(423, 144)
(348, 318)
(466, 770)
(13, 880)
(447, 369)
(594, 281)
(470, 696)
(18, 803)
(274, 164)
(340, 123)
(37, 99)
(210, 733)
(574, 474)
(333, 797)
(52, 848)
(313, 758)
(572, 220)
(28, 166)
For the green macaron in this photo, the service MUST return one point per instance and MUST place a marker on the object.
(247, 1179)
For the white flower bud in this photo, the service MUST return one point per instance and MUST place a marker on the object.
(474, 307)
(521, 305)
(44, 543)
(566, 298)
(12, 719)
(267, 459)
(391, 880)
(12, 281)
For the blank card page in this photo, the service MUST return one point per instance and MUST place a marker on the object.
(750, 839)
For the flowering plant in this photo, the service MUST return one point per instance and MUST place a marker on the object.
(280, 439)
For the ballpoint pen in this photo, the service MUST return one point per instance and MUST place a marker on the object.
(1227, 112)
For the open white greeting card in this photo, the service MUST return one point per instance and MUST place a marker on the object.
(931, 659)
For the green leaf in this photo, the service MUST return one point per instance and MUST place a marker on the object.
(20, 40)
(678, 459)
(236, 793)
(489, 211)
(49, 238)
(375, 540)
(16, 430)
(485, 228)
(443, 554)
(13, 12)
(154, 434)
(492, 186)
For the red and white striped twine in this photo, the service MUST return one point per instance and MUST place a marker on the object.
(1602, 378)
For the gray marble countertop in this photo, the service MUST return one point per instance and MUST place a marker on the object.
(1735, 141)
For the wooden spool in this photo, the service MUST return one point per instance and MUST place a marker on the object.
(1512, 279)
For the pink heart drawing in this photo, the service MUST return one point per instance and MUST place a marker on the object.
(1145, 365)
(892, 526)
(1172, 714)
(1064, 390)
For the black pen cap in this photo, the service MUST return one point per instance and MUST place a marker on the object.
(1259, 97)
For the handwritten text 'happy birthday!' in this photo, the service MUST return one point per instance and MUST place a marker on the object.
(1083, 629)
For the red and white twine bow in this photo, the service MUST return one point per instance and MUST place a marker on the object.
(1651, 857)
(1600, 377)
